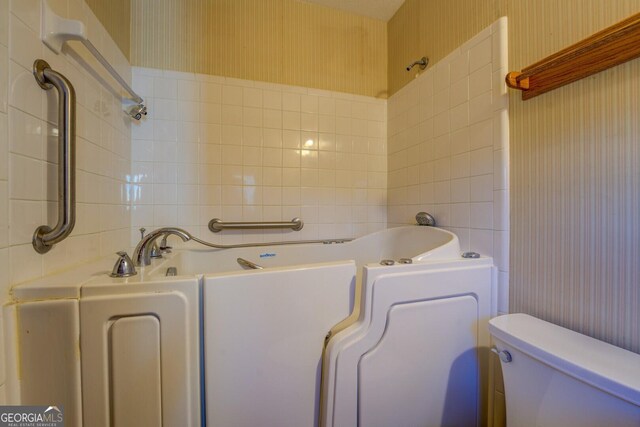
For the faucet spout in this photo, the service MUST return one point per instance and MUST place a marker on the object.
(142, 253)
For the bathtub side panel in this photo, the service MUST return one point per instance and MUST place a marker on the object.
(264, 333)
(49, 334)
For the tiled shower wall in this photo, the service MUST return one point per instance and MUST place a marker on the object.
(28, 146)
(243, 150)
(448, 148)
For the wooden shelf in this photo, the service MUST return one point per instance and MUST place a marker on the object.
(610, 47)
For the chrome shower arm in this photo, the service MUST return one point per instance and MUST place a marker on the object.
(422, 62)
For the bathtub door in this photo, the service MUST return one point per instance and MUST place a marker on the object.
(264, 333)
(418, 354)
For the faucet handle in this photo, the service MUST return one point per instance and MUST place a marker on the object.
(124, 266)
(164, 246)
(155, 251)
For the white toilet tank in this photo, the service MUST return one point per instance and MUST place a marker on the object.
(558, 377)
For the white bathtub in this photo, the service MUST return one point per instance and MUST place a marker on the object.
(269, 337)
(418, 243)
(264, 330)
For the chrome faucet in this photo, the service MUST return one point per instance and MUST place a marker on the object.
(142, 253)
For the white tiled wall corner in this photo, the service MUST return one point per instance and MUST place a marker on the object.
(28, 151)
(28, 145)
(249, 151)
(448, 147)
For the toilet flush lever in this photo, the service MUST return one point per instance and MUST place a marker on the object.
(504, 355)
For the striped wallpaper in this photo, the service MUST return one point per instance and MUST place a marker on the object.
(280, 41)
(434, 29)
(575, 179)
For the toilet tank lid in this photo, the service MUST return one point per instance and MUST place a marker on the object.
(604, 366)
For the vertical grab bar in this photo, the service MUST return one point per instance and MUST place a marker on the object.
(45, 237)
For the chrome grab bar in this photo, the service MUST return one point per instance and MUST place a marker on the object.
(45, 237)
(248, 264)
(216, 225)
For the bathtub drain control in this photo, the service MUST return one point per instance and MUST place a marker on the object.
(471, 255)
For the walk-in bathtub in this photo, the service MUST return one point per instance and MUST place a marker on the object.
(322, 335)
(417, 243)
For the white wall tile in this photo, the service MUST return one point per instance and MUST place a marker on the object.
(24, 263)
(210, 93)
(25, 216)
(23, 94)
(480, 81)
(482, 161)
(447, 134)
(165, 88)
(480, 108)
(459, 67)
(480, 55)
(26, 178)
(481, 134)
(480, 188)
(24, 43)
(28, 148)
(232, 95)
(250, 147)
(28, 11)
(459, 92)
(26, 134)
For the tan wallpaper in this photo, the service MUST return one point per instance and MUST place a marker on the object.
(115, 15)
(575, 179)
(434, 28)
(281, 41)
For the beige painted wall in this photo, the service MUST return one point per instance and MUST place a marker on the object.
(280, 41)
(115, 15)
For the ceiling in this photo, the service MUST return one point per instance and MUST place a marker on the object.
(379, 9)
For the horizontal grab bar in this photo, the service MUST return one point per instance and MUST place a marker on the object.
(282, 243)
(216, 225)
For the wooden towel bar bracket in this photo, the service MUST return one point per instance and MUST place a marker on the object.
(610, 47)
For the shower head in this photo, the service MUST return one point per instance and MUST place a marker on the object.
(137, 111)
(422, 62)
